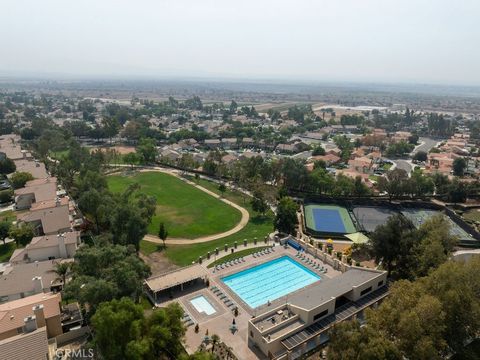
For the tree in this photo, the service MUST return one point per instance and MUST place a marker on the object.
(233, 107)
(345, 145)
(413, 319)
(163, 233)
(420, 156)
(222, 188)
(7, 166)
(215, 341)
(6, 196)
(147, 150)
(258, 202)
(456, 285)
(158, 336)
(105, 272)
(62, 269)
(413, 139)
(286, 218)
(318, 150)
(349, 341)
(393, 183)
(4, 230)
(131, 159)
(425, 319)
(392, 243)
(22, 234)
(459, 166)
(435, 246)
(20, 178)
(96, 205)
(111, 126)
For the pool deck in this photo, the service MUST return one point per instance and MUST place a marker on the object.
(220, 322)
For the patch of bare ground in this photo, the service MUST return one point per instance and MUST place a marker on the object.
(158, 262)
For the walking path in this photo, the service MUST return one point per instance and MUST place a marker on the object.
(179, 241)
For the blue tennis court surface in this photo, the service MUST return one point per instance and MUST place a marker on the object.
(328, 220)
(269, 281)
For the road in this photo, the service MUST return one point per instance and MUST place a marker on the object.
(425, 145)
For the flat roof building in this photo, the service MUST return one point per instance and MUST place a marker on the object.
(299, 325)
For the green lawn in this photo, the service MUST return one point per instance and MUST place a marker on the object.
(473, 215)
(6, 251)
(8, 215)
(186, 211)
(236, 255)
(59, 155)
(258, 226)
(148, 247)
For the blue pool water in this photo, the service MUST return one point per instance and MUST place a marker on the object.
(328, 220)
(269, 281)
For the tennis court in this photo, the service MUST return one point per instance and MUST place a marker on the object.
(369, 217)
(420, 216)
(328, 219)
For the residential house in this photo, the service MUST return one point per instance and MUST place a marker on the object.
(48, 247)
(440, 162)
(36, 168)
(248, 142)
(27, 324)
(213, 143)
(10, 146)
(169, 155)
(48, 217)
(229, 158)
(229, 143)
(399, 136)
(25, 279)
(329, 159)
(35, 190)
(361, 164)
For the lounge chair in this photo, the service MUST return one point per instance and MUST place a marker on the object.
(228, 302)
(254, 255)
(231, 304)
(243, 259)
(222, 296)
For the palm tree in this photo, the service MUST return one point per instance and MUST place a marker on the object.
(61, 269)
(215, 340)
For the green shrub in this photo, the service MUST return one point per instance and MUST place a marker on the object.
(6, 196)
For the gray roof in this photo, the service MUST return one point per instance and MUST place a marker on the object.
(18, 278)
(323, 291)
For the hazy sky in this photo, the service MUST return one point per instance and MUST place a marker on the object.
(434, 41)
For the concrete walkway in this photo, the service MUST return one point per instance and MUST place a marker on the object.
(179, 241)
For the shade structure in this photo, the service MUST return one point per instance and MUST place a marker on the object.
(358, 238)
(329, 241)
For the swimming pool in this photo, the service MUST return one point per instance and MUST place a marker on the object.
(269, 281)
(201, 304)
